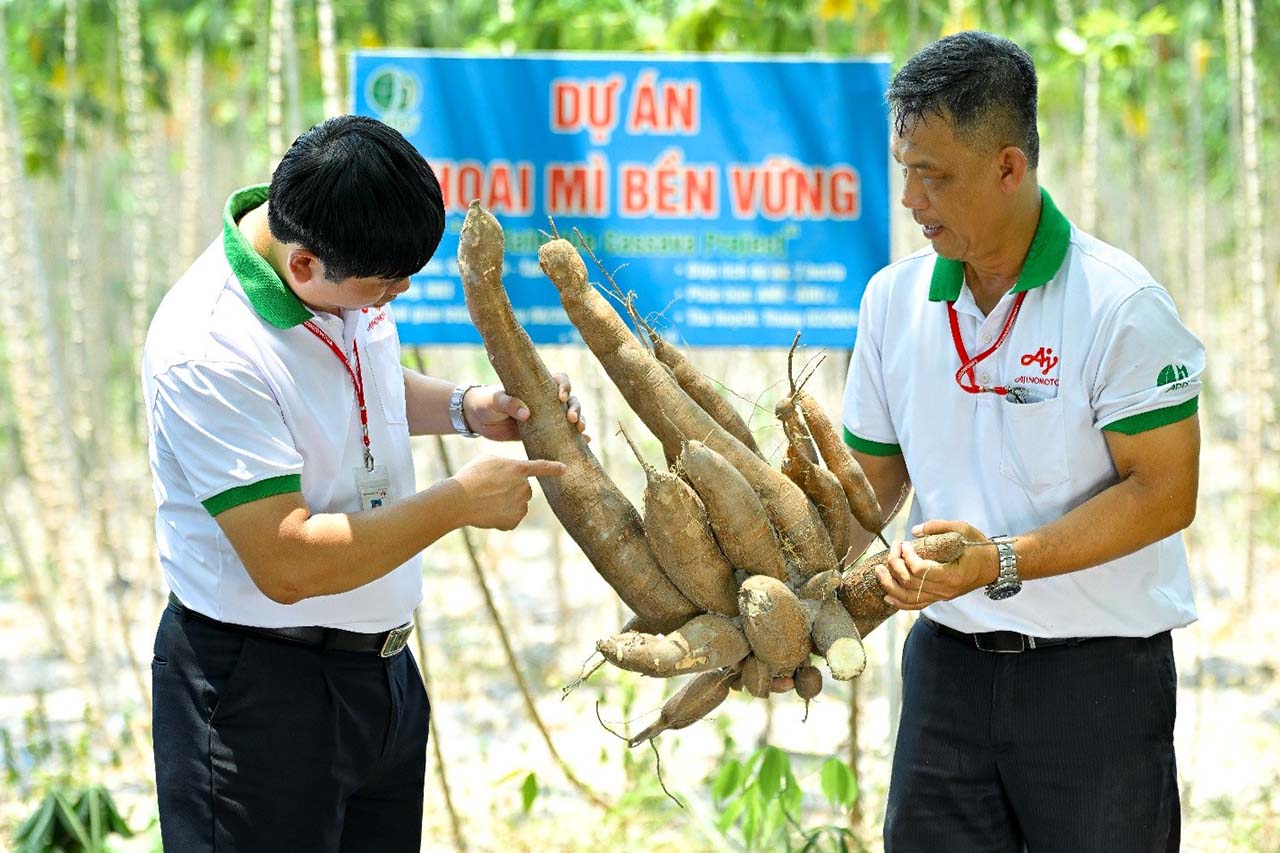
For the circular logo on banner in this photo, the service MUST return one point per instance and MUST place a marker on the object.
(394, 95)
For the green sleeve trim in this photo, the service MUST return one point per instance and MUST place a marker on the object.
(871, 448)
(281, 485)
(1157, 418)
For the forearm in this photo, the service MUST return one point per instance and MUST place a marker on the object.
(330, 553)
(1123, 519)
(427, 404)
(888, 477)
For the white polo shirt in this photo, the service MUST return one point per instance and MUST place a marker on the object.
(243, 402)
(1100, 344)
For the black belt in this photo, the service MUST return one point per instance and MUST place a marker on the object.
(384, 643)
(1008, 642)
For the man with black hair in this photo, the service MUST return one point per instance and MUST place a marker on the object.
(1036, 388)
(288, 712)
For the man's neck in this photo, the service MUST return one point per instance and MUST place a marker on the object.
(255, 228)
(993, 275)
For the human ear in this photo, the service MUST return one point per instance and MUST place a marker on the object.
(1011, 163)
(304, 266)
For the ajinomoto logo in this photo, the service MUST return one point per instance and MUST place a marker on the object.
(394, 95)
(1173, 374)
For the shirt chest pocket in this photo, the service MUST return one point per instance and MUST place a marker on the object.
(1033, 443)
(383, 347)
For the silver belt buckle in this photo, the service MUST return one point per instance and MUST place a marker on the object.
(397, 639)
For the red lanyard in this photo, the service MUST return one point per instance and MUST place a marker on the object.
(967, 364)
(357, 380)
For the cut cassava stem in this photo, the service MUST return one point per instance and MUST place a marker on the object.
(793, 425)
(589, 506)
(702, 695)
(671, 414)
(677, 529)
(692, 380)
(703, 643)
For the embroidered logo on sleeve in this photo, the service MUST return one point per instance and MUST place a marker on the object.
(1174, 375)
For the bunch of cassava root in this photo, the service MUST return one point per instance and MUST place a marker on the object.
(737, 572)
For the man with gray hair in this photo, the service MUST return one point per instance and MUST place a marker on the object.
(1037, 389)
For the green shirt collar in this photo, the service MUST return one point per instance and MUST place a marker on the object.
(273, 301)
(1044, 257)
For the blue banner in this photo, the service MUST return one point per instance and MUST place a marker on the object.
(743, 199)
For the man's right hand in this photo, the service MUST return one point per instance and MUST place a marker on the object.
(496, 489)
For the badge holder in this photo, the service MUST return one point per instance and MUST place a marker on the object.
(374, 486)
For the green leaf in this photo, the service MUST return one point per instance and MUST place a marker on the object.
(772, 768)
(792, 797)
(751, 820)
(756, 757)
(89, 810)
(731, 813)
(67, 819)
(771, 820)
(727, 780)
(838, 784)
(36, 832)
(528, 792)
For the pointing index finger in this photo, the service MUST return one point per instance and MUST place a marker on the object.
(544, 468)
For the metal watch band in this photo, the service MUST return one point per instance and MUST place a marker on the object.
(1007, 583)
(1008, 559)
(456, 416)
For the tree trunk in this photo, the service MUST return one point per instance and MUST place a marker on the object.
(292, 85)
(855, 755)
(1196, 262)
(143, 190)
(1090, 154)
(328, 59)
(275, 81)
(191, 237)
(1257, 409)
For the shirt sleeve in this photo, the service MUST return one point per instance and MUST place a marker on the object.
(223, 425)
(1148, 366)
(868, 427)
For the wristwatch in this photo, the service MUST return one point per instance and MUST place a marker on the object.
(1006, 584)
(456, 416)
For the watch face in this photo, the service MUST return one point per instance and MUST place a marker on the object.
(999, 592)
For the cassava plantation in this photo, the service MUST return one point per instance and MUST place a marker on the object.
(603, 677)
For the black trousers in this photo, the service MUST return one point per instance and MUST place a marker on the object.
(265, 745)
(1067, 749)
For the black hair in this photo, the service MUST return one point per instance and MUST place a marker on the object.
(354, 192)
(984, 84)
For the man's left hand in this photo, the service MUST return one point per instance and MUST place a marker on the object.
(496, 415)
(913, 583)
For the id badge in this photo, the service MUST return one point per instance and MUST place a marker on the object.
(374, 487)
